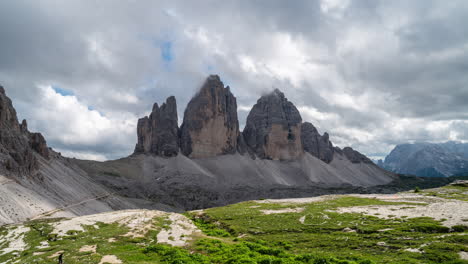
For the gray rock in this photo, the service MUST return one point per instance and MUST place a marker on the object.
(210, 125)
(8, 119)
(159, 133)
(356, 157)
(39, 144)
(24, 126)
(273, 129)
(17, 144)
(317, 145)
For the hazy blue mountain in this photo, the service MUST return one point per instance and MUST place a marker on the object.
(428, 159)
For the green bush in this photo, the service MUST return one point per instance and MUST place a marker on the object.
(460, 228)
(429, 228)
(175, 255)
(210, 228)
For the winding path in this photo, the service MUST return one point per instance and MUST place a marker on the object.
(48, 213)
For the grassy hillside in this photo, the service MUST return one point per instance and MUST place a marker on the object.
(328, 229)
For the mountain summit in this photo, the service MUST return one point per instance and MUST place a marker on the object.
(273, 129)
(210, 126)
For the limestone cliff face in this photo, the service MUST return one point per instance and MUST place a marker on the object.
(273, 129)
(210, 125)
(158, 133)
(17, 144)
(319, 146)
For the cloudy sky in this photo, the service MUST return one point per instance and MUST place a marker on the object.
(372, 73)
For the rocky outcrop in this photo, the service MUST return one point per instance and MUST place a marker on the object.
(273, 129)
(317, 145)
(38, 143)
(17, 144)
(355, 156)
(210, 125)
(8, 119)
(158, 133)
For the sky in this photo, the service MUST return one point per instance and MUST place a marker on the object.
(371, 73)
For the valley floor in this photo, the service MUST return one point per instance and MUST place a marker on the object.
(427, 226)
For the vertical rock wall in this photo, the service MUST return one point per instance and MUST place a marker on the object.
(210, 126)
(158, 133)
(273, 129)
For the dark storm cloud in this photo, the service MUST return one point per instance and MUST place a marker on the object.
(371, 73)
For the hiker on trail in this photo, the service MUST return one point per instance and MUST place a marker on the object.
(60, 259)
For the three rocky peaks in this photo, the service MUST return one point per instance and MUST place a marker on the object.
(274, 129)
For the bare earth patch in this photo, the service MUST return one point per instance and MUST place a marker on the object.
(400, 197)
(88, 248)
(302, 219)
(43, 244)
(139, 221)
(299, 200)
(179, 231)
(463, 255)
(283, 211)
(451, 211)
(56, 254)
(14, 238)
(110, 259)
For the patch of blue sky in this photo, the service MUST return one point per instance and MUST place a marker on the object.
(166, 51)
(61, 91)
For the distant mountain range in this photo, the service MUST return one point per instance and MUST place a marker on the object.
(428, 159)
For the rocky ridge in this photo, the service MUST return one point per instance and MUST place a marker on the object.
(17, 144)
(317, 145)
(36, 181)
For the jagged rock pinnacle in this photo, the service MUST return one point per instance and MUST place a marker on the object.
(158, 133)
(273, 128)
(210, 125)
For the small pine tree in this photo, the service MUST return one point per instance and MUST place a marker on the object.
(416, 190)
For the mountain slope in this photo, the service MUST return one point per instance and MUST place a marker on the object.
(36, 181)
(200, 183)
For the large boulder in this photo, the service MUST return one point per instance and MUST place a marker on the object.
(210, 125)
(158, 133)
(319, 146)
(273, 128)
